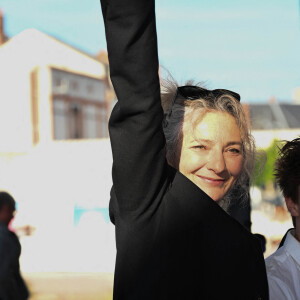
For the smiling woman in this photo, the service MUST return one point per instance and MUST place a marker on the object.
(211, 154)
(173, 240)
(208, 139)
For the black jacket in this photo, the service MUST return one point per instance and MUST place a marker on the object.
(12, 285)
(173, 241)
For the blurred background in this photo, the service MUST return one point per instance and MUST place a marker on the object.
(56, 98)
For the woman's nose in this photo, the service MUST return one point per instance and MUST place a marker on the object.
(216, 161)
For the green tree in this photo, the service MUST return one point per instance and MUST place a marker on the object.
(264, 169)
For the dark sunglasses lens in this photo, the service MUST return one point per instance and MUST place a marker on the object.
(192, 92)
(220, 92)
(195, 92)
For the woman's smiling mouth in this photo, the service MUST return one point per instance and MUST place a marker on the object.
(212, 181)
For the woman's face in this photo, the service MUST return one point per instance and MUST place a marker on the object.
(211, 154)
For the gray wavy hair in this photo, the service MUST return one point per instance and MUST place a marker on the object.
(223, 103)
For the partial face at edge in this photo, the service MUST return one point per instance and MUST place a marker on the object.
(211, 154)
(294, 209)
(6, 214)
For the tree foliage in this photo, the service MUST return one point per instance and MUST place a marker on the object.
(264, 168)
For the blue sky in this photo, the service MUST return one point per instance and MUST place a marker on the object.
(252, 47)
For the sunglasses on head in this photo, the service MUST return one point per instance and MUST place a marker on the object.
(191, 92)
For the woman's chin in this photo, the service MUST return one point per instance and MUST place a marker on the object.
(215, 194)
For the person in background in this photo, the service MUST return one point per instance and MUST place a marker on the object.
(283, 266)
(12, 285)
(178, 154)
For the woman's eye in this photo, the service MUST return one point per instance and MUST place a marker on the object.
(234, 150)
(199, 147)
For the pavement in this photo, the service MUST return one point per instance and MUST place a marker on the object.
(69, 286)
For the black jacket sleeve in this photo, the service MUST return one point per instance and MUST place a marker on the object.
(137, 139)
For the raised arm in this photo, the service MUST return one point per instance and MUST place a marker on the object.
(136, 134)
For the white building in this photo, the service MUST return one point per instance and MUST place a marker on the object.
(49, 91)
(55, 156)
(274, 121)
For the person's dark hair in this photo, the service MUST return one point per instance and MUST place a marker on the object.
(287, 169)
(7, 199)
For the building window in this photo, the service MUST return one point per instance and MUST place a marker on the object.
(67, 120)
(60, 120)
(78, 113)
(90, 119)
(58, 82)
(76, 120)
(74, 85)
(90, 89)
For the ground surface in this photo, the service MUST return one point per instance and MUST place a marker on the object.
(70, 286)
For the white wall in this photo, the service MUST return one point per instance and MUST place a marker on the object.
(23, 53)
(264, 138)
(15, 115)
(47, 183)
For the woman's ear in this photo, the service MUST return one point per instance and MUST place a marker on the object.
(292, 207)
